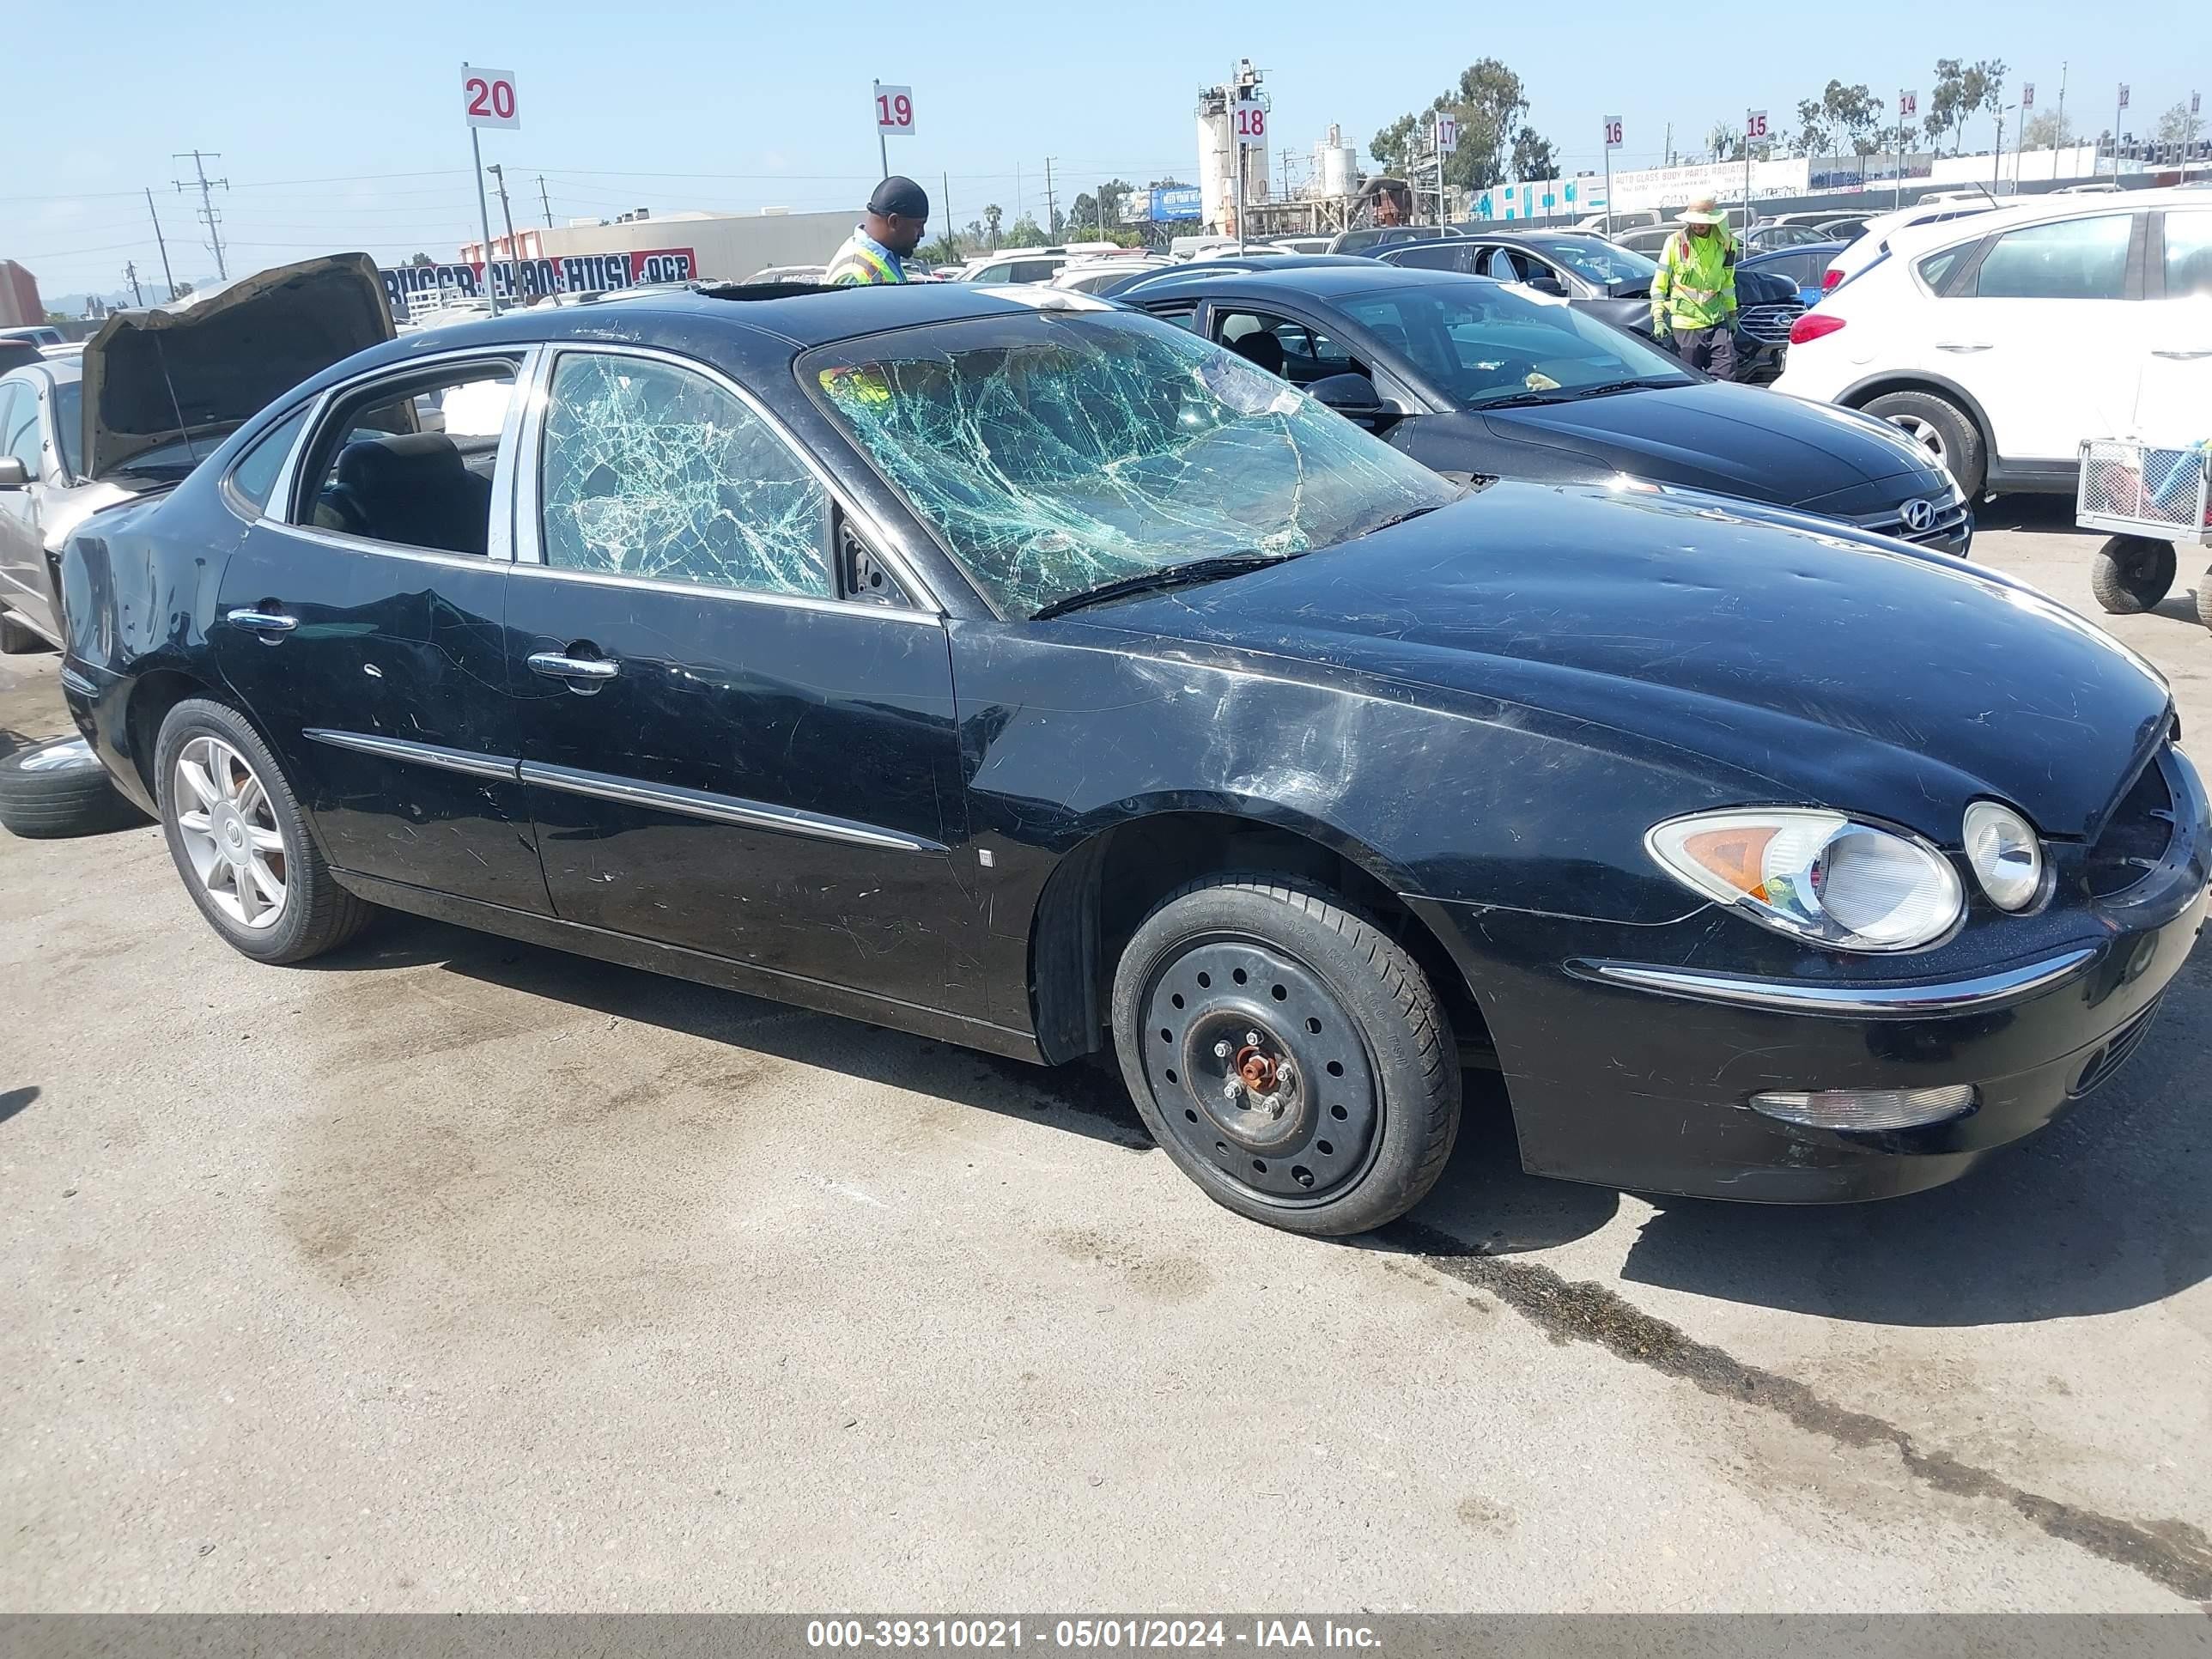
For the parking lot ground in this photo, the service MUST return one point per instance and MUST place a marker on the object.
(455, 1273)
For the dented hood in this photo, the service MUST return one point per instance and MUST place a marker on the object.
(199, 366)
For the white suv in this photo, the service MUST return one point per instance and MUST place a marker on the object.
(2003, 340)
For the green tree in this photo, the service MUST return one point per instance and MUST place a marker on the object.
(1488, 100)
(1025, 233)
(2046, 130)
(2173, 126)
(1962, 89)
(1534, 157)
(992, 214)
(1725, 141)
(422, 259)
(1841, 117)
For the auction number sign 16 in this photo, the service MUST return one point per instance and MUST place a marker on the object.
(490, 97)
(894, 109)
(1612, 133)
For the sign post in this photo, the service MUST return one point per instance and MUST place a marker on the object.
(1249, 117)
(2116, 113)
(894, 115)
(1611, 144)
(1446, 134)
(488, 101)
(1908, 106)
(1754, 133)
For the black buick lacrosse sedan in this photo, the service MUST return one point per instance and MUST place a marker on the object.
(1013, 669)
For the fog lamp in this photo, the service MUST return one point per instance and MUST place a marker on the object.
(1865, 1108)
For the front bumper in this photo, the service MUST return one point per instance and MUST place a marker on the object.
(1626, 1069)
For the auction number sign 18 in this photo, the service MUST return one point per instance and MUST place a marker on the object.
(895, 110)
(490, 97)
(1251, 125)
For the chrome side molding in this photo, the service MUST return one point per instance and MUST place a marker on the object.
(1855, 1001)
(721, 809)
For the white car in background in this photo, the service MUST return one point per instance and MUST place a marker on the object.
(1874, 235)
(2002, 341)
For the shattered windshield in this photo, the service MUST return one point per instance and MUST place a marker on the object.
(1056, 452)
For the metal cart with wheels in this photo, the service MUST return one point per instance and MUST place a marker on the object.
(2152, 500)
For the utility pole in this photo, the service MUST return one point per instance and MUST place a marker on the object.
(883, 149)
(513, 248)
(131, 275)
(161, 244)
(945, 206)
(208, 216)
(1669, 147)
(545, 200)
(1051, 208)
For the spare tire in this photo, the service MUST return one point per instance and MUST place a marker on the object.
(49, 790)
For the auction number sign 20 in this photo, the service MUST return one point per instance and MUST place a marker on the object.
(491, 95)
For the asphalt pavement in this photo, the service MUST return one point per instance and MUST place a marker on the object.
(450, 1272)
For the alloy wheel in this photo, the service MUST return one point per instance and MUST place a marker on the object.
(1260, 1070)
(1924, 432)
(229, 827)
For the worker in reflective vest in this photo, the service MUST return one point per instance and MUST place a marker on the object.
(1694, 294)
(898, 215)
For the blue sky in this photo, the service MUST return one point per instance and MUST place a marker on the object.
(341, 128)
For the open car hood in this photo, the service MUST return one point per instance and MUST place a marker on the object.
(199, 366)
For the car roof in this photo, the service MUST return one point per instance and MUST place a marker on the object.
(2041, 210)
(1327, 282)
(1793, 251)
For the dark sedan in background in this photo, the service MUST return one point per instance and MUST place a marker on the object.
(1481, 379)
(1614, 283)
(1036, 675)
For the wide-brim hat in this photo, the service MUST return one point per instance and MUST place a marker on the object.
(1695, 217)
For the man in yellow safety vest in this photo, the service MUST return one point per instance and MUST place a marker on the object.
(898, 215)
(1694, 294)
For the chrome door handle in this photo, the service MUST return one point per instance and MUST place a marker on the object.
(263, 622)
(1962, 345)
(556, 666)
(2184, 356)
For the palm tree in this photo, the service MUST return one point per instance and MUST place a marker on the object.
(992, 214)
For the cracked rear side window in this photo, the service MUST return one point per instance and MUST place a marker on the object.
(1053, 451)
(653, 470)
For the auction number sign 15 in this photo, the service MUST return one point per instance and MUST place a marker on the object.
(894, 109)
(490, 97)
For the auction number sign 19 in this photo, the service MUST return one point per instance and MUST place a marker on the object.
(489, 95)
(895, 110)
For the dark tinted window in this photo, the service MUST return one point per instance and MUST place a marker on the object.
(1437, 256)
(1299, 354)
(255, 476)
(2073, 260)
(1936, 268)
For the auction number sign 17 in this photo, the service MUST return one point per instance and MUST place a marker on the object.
(490, 97)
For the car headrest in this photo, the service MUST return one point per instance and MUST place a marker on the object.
(1260, 348)
(412, 459)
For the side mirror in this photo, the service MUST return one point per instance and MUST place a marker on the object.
(1351, 396)
(13, 475)
(1549, 284)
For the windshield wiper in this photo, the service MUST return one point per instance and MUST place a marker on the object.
(1410, 512)
(1524, 399)
(1151, 581)
(1611, 387)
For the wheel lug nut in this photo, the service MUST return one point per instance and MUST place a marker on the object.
(1252, 1039)
(1221, 1050)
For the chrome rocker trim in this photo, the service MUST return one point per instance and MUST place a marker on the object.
(423, 754)
(722, 809)
(1854, 1001)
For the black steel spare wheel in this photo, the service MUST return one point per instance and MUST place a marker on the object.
(1287, 1055)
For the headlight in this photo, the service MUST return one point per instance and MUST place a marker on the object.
(1817, 875)
(2004, 854)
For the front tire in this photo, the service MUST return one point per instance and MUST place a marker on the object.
(2131, 574)
(1287, 1053)
(239, 842)
(1946, 431)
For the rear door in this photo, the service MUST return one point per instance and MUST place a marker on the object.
(738, 721)
(359, 623)
(2043, 326)
(2174, 402)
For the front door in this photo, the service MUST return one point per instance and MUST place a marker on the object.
(724, 753)
(26, 586)
(2044, 331)
(358, 622)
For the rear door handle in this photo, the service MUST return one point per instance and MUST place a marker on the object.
(557, 665)
(1962, 345)
(262, 622)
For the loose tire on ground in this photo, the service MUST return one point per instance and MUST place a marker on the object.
(2132, 574)
(1287, 1053)
(241, 788)
(2204, 598)
(1942, 428)
(50, 790)
(18, 637)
